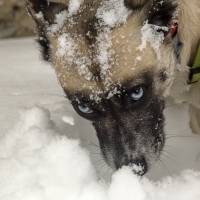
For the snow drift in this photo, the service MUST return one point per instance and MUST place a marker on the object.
(38, 163)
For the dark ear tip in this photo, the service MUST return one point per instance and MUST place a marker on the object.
(162, 14)
(135, 4)
(37, 5)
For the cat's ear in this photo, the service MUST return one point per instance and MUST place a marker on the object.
(161, 13)
(156, 12)
(43, 11)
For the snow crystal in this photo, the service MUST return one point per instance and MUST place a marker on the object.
(60, 18)
(58, 22)
(68, 53)
(138, 58)
(39, 15)
(105, 52)
(74, 5)
(113, 13)
(68, 50)
(150, 34)
(110, 14)
(113, 92)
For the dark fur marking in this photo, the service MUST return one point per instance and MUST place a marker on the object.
(132, 129)
(161, 13)
(162, 76)
(44, 46)
(90, 30)
(49, 10)
(134, 5)
(123, 130)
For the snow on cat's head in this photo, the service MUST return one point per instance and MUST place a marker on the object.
(115, 62)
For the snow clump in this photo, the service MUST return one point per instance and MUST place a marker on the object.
(113, 13)
(151, 34)
(74, 5)
(60, 18)
(68, 120)
(39, 164)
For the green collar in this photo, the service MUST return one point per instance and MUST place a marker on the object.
(195, 69)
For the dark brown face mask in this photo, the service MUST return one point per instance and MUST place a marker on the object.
(129, 126)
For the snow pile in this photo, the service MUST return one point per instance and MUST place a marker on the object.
(183, 187)
(37, 163)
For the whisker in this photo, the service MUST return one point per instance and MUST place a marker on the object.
(89, 142)
(170, 159)
(106, 171)
(180, 136)
(102, 167)
(98, 161)
(100, 164)
(172, 155)
(96, 153)
(89, 145)
(57, 95)
(111, 174)
(176, 104)
(172, 146)
(162, 163)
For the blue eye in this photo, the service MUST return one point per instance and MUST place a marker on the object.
(85, 109)
(137, 94)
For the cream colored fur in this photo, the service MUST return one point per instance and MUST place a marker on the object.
(128, 66)
(180, 91)
(189, 34)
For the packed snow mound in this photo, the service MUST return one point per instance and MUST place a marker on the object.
(37, 163)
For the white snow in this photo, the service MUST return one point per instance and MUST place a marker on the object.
(39, 15)
(150, 34)
(69, 55)
(60, 18)
(69, 120)
(39, 160)
(74, 5)
(70, 46)
(58, 22)
(113, 13)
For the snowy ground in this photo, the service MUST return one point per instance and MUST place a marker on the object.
(38, 161)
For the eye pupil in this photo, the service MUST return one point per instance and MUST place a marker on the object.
(137, 94)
